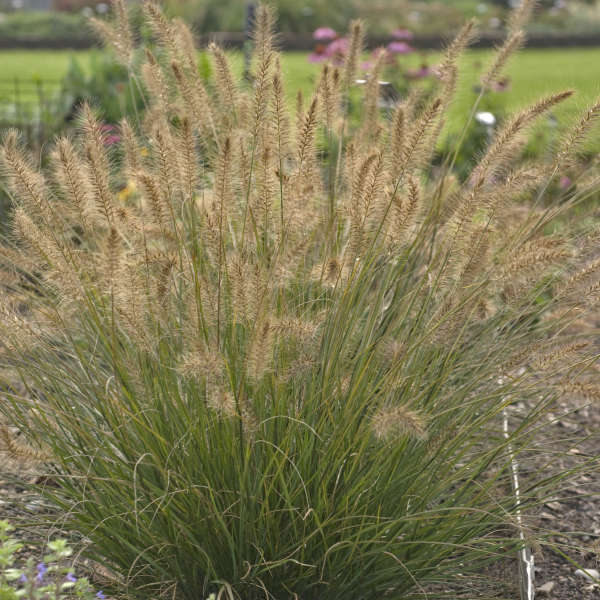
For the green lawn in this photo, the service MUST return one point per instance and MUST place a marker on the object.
(31, 64)
(21, 71)
(533, 73)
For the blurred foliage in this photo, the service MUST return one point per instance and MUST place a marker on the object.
(464, 147)
(68, 25)
(77, 5)
(57, 28)
(293, 16)
(306, 16)
(431, 17)
(105, 85)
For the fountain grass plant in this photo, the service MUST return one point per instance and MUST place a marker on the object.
(267, 355)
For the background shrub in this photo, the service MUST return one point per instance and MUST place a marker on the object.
(45, 28)
(105, 86)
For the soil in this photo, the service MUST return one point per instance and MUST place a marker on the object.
(578, 512)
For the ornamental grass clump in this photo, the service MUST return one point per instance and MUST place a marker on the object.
(277, 366)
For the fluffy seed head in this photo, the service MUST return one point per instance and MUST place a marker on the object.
(392, 422)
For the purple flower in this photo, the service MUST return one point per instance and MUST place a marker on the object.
(337, 50)
(109, 140)
(100, 595)
(399, 48)
(403, 34)
(41, 571)
(110, 134)
(565, 182)
(324, 34)
(23, 578)
(70, 577)
(317, 57)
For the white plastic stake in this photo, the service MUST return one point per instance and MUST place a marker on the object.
(526, 561)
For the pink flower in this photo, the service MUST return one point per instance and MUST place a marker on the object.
(337, 50)
(110, 134)
(565, 182)
(402, 34)
(399, 48)
(387, 57)
(324, 34)
(315, 57)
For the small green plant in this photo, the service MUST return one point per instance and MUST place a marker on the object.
(51, 579)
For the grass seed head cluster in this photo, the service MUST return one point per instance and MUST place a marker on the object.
(274, 364)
